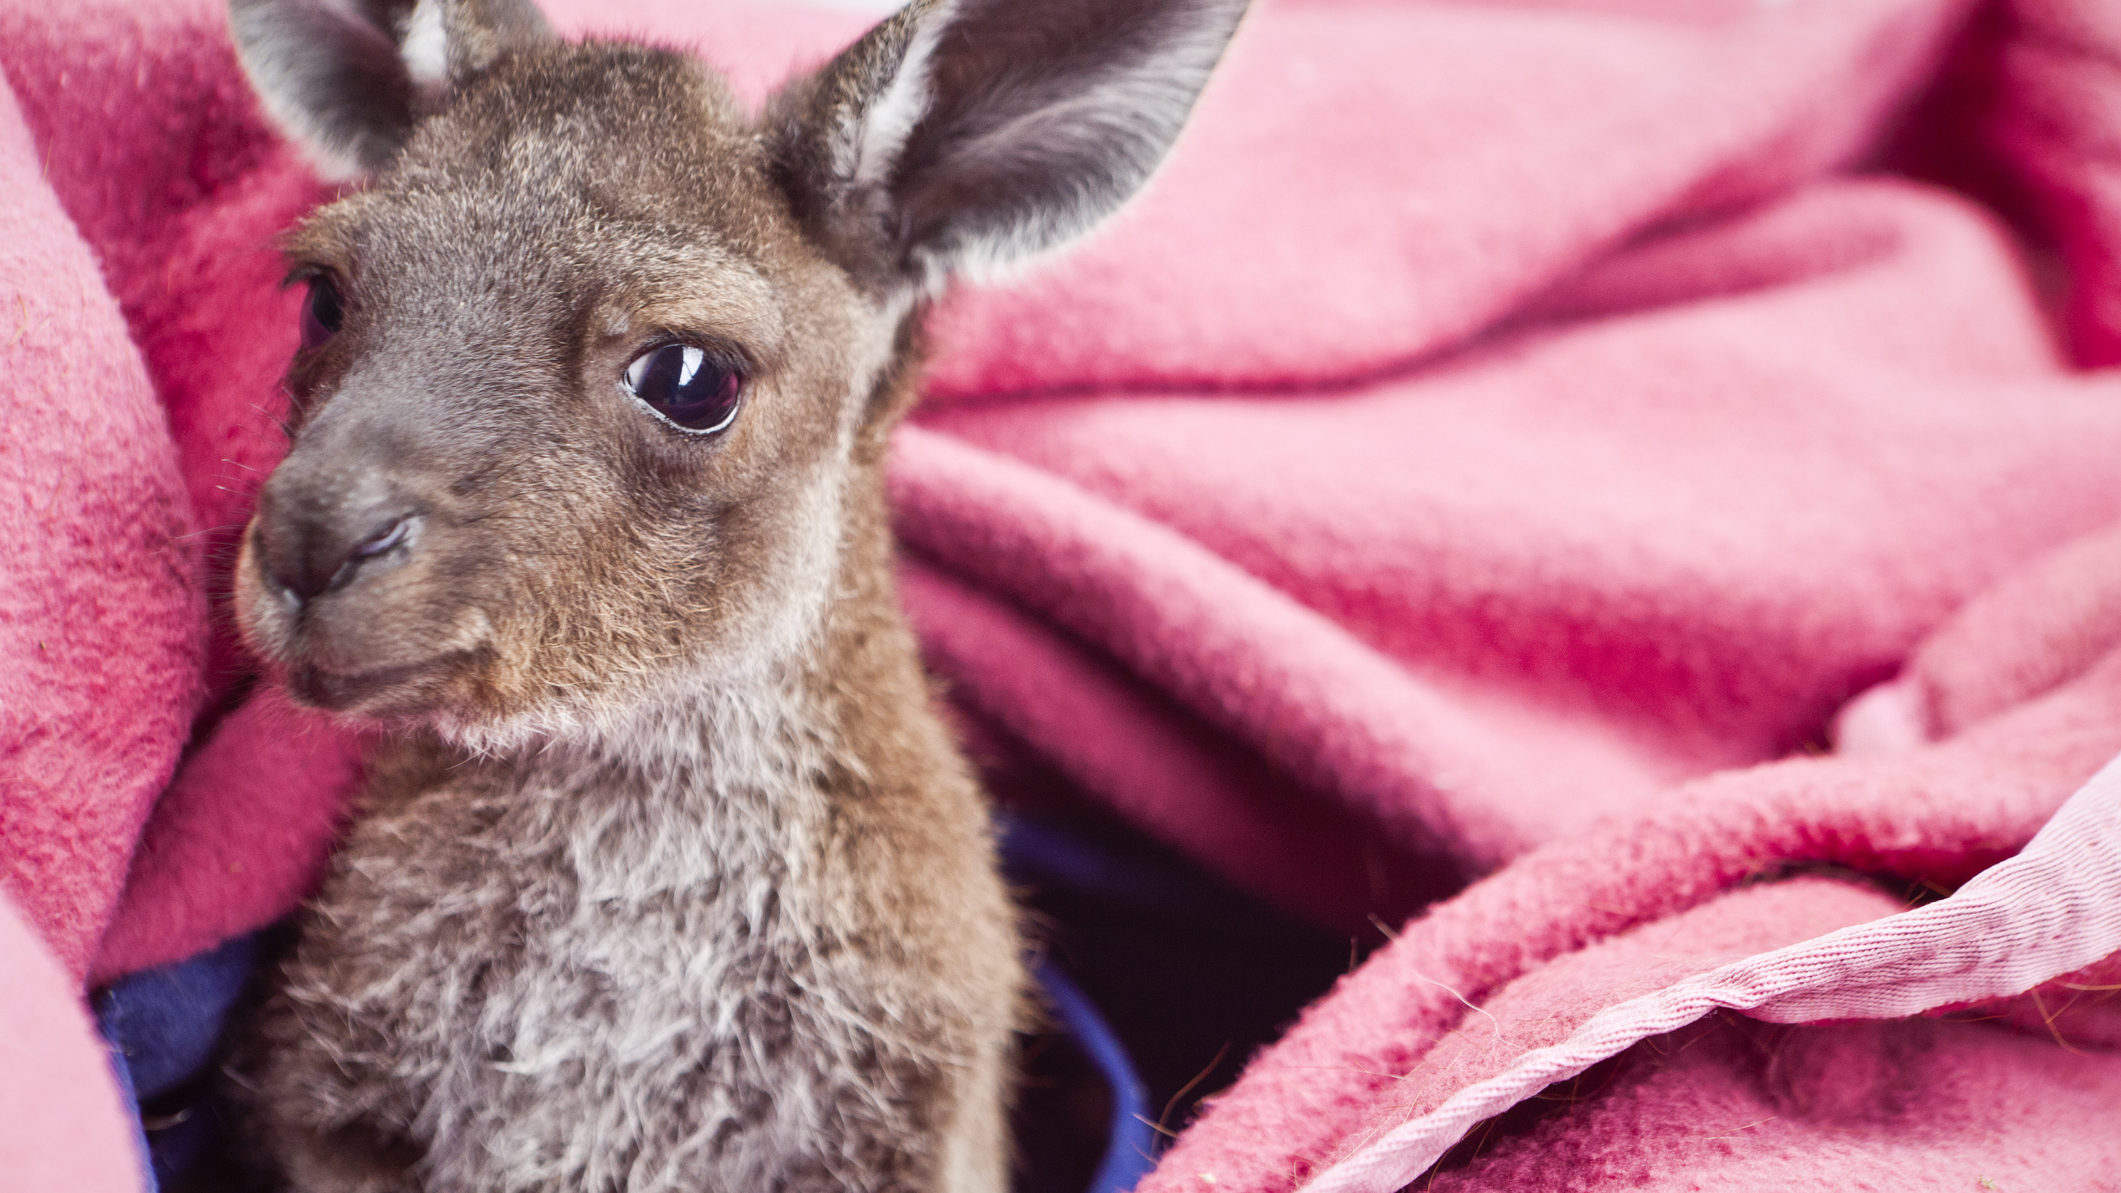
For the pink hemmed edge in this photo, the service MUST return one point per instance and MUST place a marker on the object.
(2053, 909)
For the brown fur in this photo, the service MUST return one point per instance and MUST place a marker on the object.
(672, 879)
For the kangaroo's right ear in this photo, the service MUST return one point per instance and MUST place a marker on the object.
(965, 135)
(348, 78)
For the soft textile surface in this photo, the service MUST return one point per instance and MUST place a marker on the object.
(1904, 1105)
(60, 1122)
(1504, 431)
(101, 610)
(2048, 913)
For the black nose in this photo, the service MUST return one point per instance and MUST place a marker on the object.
(308, 551)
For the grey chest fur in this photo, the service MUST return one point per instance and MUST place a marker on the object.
(589, 985)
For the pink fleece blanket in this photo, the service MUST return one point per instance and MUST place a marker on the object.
(1498, 446)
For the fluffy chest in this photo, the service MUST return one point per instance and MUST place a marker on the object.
(568, 988)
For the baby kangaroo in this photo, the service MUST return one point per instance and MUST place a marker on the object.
(671, 878)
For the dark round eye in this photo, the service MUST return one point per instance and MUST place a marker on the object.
(686, 385)
(323, 313)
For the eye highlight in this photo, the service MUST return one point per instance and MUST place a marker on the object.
(322, 313)
(686, 385)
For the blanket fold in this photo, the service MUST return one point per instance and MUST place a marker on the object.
(2050, 911)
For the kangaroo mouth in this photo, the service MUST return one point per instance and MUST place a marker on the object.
(346, 691)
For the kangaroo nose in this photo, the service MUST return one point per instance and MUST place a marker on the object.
(309, 553)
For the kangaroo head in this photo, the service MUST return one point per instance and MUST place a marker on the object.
(597, 367)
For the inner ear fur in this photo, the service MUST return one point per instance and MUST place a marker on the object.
(966, 135)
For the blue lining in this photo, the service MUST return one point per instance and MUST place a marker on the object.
(163, 1026)
(1130, 1149)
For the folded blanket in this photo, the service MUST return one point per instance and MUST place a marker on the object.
(2053, 911)
(1492, 453)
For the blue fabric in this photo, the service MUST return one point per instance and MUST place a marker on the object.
(1049, 854)
(1130, 1150)
(166, 1022)
(163, 1026)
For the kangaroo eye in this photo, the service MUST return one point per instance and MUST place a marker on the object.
(323, 313)
(687, 386)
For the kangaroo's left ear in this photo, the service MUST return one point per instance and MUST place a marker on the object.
(348, 78)
(963, 135)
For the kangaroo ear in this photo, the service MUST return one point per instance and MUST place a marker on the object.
(348, 78)
(964, 135)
